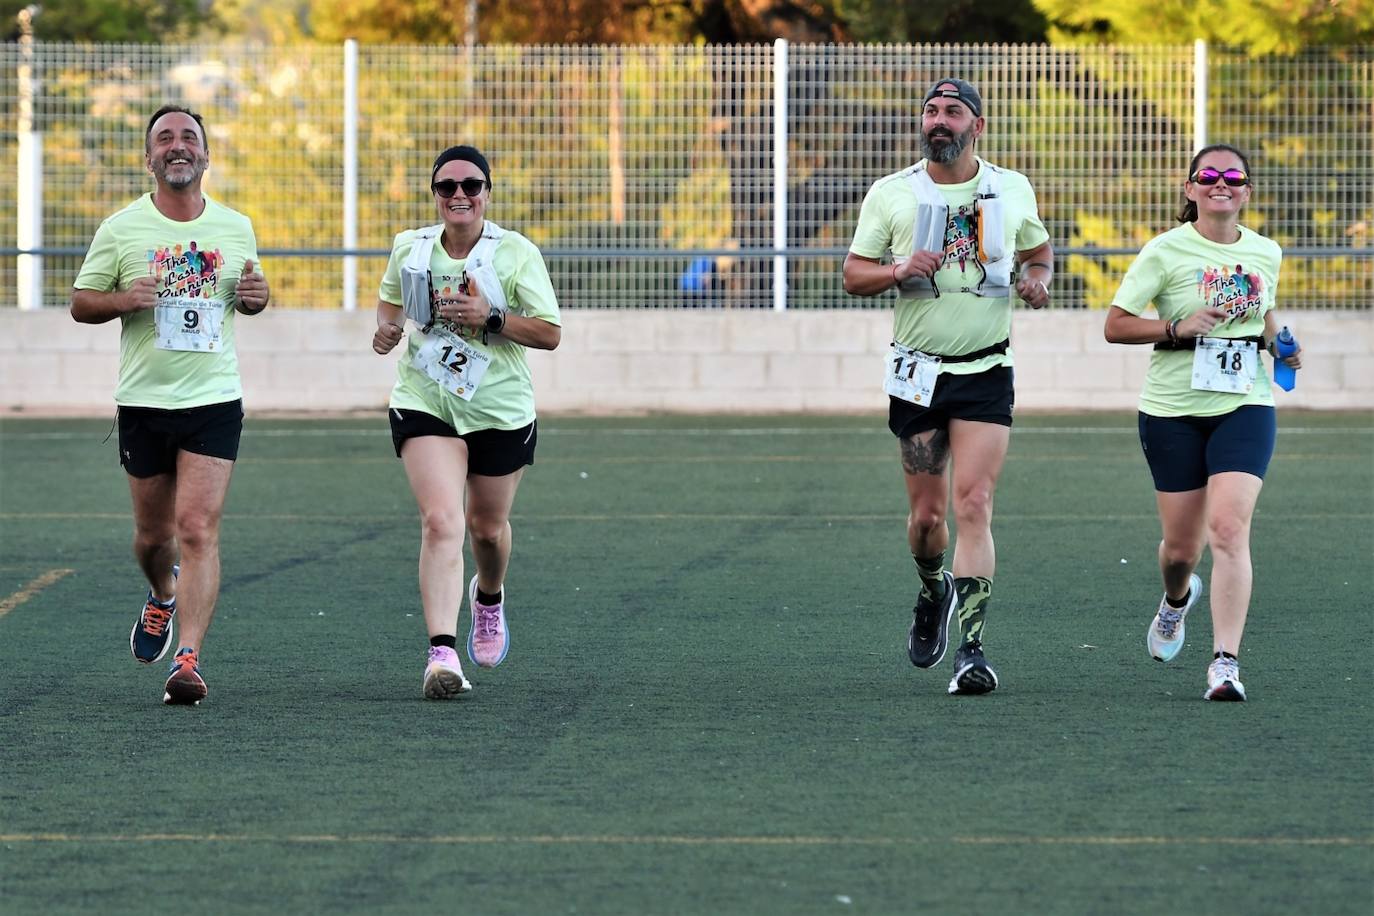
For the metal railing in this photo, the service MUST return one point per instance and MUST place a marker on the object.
(664, 177)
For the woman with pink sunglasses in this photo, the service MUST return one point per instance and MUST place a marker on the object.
(1206, 414)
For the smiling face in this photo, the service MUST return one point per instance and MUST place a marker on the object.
(176, 152)
(461, 211)
(1220, 199)
(948, 128)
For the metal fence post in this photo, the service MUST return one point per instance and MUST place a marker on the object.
(29, 206)
(1199, 94)
(780, 174)
(350, 175)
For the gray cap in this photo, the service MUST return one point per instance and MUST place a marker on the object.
(962, 90)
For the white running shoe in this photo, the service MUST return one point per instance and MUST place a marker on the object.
(1165, 637)
(1223, 680)
(444, 675)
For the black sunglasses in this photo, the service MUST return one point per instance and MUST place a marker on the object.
(1235, 178)
(449, 187)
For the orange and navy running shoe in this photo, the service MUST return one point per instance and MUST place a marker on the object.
(185, 687)
(151, 636)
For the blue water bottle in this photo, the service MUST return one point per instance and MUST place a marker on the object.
(1285, 376)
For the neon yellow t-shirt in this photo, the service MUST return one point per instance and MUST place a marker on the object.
(1180, 272)
(955, 322)
(505, 397)
(201, 258)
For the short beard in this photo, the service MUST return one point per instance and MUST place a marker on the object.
(950, 151)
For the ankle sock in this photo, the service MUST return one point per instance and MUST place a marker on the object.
(450, 641)
(1178, 605)
(486, 599)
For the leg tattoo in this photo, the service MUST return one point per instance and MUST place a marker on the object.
(928, 455)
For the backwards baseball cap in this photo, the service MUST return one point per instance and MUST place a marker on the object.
(957, 89)
(465, 153)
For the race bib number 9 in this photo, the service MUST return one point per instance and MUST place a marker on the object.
(452, 363)
(1225, 365)
(184, 323)
(911, 375)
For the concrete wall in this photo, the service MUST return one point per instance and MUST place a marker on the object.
(658, 361)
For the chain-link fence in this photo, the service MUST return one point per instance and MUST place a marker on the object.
(649, 175)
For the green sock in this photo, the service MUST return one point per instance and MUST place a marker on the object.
(932, 572)
(974, 594)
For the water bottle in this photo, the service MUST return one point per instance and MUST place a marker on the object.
(1285, 376)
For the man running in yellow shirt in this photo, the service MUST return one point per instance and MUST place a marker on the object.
(963, 235)
(174, 266)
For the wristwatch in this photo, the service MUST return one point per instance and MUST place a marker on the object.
(496, 320)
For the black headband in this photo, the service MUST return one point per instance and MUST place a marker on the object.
(466, 154)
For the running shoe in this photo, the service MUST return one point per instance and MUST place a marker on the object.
(444, 675)
(972, 673)
(929, 635)
(1165, 636)
(489, 640)
(185, 687)
(1223, 680)
(151, 636)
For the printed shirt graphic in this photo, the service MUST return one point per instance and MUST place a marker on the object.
(505, 397)
(1180, 273)
(955, 322)
(202, 258)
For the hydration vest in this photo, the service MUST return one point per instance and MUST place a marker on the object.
(415, 275)
(932, 218)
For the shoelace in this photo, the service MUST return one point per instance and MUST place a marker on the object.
(187, 659)
(488, 621)
(1226, 669)
(437, 654)
(1168, 621)
(155, 619)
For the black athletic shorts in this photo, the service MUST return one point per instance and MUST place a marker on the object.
(491, 452)
(149, 437)
(1184, 451)
(983, 397)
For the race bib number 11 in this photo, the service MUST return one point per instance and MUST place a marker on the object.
(911, 375)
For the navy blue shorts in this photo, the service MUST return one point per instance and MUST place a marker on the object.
(983, 397)
(149, 437)
(491, 452)
(1184, 451)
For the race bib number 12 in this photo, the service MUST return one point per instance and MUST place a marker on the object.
(453, 363)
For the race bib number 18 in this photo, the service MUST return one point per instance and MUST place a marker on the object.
(1225, 365)
(453, 363)
(911, 375)
(184, 323)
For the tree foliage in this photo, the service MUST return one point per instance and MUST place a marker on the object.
(1259, 27)
(135, 21)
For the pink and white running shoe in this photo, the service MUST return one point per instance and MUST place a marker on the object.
(489, 640)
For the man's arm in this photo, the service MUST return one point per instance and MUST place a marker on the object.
(867, 277)
(1036, 272)
(251, 294)
(93, 306)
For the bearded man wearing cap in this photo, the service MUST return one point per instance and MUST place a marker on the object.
(962, 235)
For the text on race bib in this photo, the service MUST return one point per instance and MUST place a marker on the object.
(451, 362)
(188, 324)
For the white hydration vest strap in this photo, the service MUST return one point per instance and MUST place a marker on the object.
(932, 218)
(415, 275)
